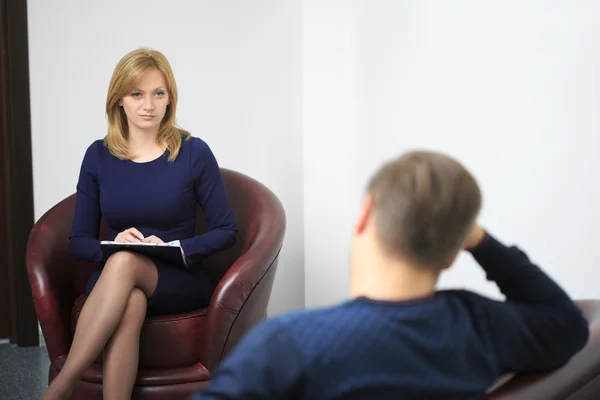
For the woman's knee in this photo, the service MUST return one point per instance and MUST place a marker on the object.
(136, 269)
(119, 265)
(128, 264)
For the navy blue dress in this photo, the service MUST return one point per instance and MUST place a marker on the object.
(158, 198)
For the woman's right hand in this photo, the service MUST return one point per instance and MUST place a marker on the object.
(130, 235)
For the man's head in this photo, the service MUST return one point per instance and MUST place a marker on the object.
(418, 210)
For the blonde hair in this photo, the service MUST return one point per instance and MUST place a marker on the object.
(126, 76)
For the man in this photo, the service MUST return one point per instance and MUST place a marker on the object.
(399, 338)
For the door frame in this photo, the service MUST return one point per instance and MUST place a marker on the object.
(17, 171)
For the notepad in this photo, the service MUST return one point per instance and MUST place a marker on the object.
(169, 252)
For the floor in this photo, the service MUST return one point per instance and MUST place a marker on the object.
(23, 372)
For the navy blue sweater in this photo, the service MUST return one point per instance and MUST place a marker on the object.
(451, 345)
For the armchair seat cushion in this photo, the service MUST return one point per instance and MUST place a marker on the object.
(167, 341)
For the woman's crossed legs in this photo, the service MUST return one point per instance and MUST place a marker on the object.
(111, 319)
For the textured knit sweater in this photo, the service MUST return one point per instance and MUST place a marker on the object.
(451, 345)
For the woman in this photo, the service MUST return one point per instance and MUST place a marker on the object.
(145, 178)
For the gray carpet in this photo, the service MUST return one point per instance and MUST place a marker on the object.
(23, 372)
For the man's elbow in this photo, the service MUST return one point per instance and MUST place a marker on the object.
(580, 332)
(576, 333)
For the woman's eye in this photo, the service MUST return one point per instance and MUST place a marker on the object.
(136, 94)
(160, 94)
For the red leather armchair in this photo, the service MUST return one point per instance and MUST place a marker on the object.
(579, 379)
(179, 352)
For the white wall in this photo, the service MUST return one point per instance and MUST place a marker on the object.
(238, 69)
(510, 89)
(331, 131)
(507, 87)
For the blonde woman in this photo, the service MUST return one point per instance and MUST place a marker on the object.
(145, 178)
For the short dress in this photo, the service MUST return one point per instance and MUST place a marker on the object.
(157, 197)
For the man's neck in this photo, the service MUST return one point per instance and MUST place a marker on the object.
(385, 280)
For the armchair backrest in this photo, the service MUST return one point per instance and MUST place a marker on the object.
(260, 220)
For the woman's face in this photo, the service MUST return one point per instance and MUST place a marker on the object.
(146, 105)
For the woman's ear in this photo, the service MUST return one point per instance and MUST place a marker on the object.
(120, 103)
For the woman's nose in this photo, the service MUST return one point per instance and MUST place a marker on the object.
(148, 103)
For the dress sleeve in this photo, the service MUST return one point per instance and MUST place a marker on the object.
(211, 195)
(86, 220)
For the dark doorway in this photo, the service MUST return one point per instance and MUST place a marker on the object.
(18, 321)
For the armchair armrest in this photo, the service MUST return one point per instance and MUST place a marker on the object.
(571, 380)
(240, 300)
(50, 268)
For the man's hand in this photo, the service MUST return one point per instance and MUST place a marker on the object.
(474, 237)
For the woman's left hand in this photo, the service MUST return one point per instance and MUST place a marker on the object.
(152, 239)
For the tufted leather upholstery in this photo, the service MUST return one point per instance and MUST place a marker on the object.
(177, 352)
(579, 379)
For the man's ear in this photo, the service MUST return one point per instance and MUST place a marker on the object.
(364, 214)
